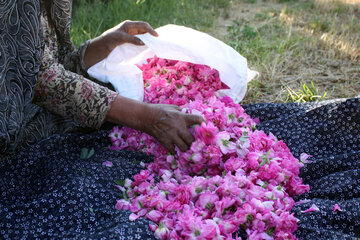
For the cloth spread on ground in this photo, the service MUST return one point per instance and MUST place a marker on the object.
(49, 191)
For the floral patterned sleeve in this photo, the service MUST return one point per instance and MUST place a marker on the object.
(71, 95)
(59, 12)
(61, 87)
(74, 61)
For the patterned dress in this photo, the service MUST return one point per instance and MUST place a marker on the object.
(39, 66)
(61, 86)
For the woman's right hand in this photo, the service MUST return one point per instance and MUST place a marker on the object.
(170, 126)
(164, 122)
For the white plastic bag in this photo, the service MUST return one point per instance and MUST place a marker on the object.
(176, 43)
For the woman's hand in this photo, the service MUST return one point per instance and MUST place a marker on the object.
(100, 47)
(170, 126)
(125, 31)
(164, 122)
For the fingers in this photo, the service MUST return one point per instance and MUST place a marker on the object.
(192, 119)
(171, 138)
(179, 142)
(169, 146)
(131, 39)
(177, 108)
(171, 127)
(139, 27)
(146, 28)
(137, 41)
(187, 137)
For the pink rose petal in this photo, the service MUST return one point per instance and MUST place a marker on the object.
(313, 208)
(133, 217)
(107, 164)
(336, 208)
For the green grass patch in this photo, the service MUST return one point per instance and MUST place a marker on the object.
(93, 17)
(260, 44)
(305, 94)
(303, 50)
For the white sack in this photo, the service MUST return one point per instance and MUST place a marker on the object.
(175, 43)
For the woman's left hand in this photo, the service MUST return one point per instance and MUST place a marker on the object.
(125, 31)
(100, 47)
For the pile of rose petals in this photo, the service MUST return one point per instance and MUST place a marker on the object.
(233, 177)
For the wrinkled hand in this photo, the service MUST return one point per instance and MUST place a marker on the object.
(170, 126)
(125, 31)
(101, 46)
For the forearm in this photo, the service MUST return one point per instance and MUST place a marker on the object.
(128, 112)
(72, 96)
(98, 49)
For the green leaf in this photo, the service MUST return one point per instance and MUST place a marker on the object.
(244, 137)
(209, 206)
(232, 116)
(120, 182)
(91, 153)
(91, 209)
(270, 231)
(265, 159)
(84, 153)
(249, 217)
(125, 196)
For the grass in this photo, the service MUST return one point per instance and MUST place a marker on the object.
(304, 50)
(313, 46)
(92, 17)
(305, 94)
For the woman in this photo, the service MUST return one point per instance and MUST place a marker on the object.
(40, 65)
(51, 190)
(62, 89)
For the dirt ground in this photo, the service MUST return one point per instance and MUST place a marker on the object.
(329, 56)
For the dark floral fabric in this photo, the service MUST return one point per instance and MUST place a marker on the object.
(21, 43)
(330, 132)
(25, 58)
(50, 192)
(60, 90)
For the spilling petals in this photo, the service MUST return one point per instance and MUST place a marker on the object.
(232, 177)
(107, 164)
(313, 208)
(337, 208)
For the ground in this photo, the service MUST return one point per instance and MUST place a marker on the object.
(292, 43)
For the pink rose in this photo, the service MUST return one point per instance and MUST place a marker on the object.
(206, 200)
(155, 216)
